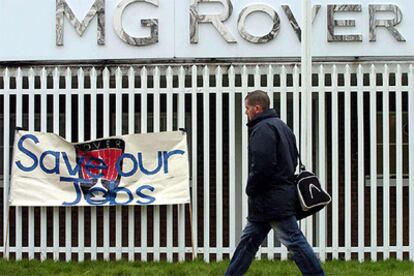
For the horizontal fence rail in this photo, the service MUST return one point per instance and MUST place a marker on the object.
(362, 117)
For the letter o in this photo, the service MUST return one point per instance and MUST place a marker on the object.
(96, 202)
(115, 193)
(241, 23)
(134, 163)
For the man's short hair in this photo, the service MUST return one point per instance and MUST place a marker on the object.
(260, 98)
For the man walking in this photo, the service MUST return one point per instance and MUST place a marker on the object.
(271, 192)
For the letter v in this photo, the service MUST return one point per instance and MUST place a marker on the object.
(72, 171)
(294, 23)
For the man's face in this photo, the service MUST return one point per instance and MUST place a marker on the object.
(252, 110)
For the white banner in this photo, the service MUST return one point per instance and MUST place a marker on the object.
(137, 169)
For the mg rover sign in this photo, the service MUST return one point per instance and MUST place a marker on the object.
(168, 29)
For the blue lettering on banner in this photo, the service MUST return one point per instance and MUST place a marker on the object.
(56, 165)
(118, 190)
(99, 196)
(92, 163)
(162, 161)
(168, 155)
(140, 193)
(77, 190)
(27, 152)
(118, 165)
(114, 191)
(144, 170)
(92, 196)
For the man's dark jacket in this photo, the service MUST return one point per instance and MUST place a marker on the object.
(272, 162)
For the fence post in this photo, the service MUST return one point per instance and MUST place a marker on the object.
(6, 158)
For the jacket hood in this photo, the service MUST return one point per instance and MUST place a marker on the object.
(270, 113)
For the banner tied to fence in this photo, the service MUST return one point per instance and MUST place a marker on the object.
(137, 169)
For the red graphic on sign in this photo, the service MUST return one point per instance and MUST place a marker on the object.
(100, 158)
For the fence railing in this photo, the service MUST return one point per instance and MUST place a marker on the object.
(362, 144)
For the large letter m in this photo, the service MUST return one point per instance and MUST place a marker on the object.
(62, 8)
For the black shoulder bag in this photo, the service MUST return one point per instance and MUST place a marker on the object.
(311, 196)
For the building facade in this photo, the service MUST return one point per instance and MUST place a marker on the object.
(84, 70)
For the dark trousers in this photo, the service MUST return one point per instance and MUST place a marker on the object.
(288, 233)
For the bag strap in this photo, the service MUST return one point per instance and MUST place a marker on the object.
(301, 166)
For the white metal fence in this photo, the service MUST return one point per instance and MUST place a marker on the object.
(362, 120)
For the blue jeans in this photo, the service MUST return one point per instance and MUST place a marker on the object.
(288, 233)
